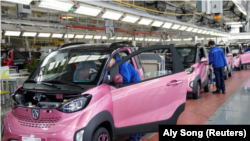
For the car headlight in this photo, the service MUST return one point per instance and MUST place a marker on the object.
(189, 70)
(2, 128)
(191, 84)
(79, 135)
(75, 104)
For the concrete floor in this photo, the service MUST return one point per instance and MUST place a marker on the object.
(229, 108)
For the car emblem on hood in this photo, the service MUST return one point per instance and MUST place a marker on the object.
(35, 113)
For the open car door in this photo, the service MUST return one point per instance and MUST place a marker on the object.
(245, 58)
(141, 106)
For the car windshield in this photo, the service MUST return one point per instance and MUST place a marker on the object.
(75, 65)
(187, 54)
(235, 50)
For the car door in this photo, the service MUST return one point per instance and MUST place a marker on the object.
(142, 106)
(245, 58)
(203, 65)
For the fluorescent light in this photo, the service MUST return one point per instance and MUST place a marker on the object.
(104, 37)
(44, 34)
(130, 38)
(183, 28)
(146, 39)
(199, 31)
(112, 38)
(125, 38)
(145, 21)
(141, 39)
(153, 40)
(157, 40)
(55, 5)
(189, 29)
(195, 30)
(211, 32)
(204, 32)
(175, 26)
(167, 25)
(118, 38)
(113, 15)
(236, 25)
(69, 36)
(97, 37)
(176, 39)
(87, 10)
(188, 39)
(29, 34)
(12, 33)
(25, 2)
(157, 23)
(57, 35)
(150, 39)
(79, 36)
(208, 32)
(200, 38)
(88, 36)
(130, 18)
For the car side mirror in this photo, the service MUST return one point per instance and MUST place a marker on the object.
(118, 79)
(204, 60)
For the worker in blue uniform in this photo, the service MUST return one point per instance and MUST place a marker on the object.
(218, 60)
(248, 49)
(130, 75)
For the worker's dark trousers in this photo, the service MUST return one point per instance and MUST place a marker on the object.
(219, 77)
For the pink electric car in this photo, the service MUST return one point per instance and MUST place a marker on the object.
(240, 57)
(72, 95)
(195, 59)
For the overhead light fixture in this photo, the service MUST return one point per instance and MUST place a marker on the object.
(29, 34)
(189, 29)
(176, 39)
(118, 38)
(24, 2)
(97, 37)
(204, 32)
(146, 39)
(137, 39)
(199, 31)
(12, 33)
(175, 26)
(130, 18)
(55, 5)
(125, 38)
(208, 32)
(79, 36)
(195, 30)
(141, 39)
(104, 37)
(130, 38)
(150, 39)
(167, 25)
(183, 28)
(64, 17)
(145, 21)
(157, 23)
(236, 25)
(153, 40)
(113, 15)
(87, 10)
(112, 38)
(188, 39)
(57, 35)
(157, 40)
(44, 35)
(88, 36)
(200, 38)
(69, 36)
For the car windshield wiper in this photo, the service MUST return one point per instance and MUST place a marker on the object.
(41, 82)
(63, 82)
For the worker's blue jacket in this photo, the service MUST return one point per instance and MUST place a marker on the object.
(248, 49)
(217, 57)
(130, 75)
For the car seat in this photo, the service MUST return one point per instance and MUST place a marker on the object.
(83, 70)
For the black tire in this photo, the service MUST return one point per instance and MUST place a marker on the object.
(206, 88)
(101, 133)
(196, 94)
(240, 66)
(230, 73)
(226, 76)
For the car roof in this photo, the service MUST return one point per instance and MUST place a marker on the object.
(97, 46)
(188, 45)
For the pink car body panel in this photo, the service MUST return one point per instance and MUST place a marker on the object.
(236, 61)
(245, 58)
(64, 123)
(151, 108)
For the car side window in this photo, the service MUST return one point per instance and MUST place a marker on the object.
(154, 65)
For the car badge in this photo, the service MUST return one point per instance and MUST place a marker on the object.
(35, 113)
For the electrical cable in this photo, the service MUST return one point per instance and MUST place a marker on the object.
(167, 13)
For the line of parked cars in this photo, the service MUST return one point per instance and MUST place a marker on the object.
(73, 94)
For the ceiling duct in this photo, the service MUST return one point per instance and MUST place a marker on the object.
(184, 9)
(155, 5)
(201, 20)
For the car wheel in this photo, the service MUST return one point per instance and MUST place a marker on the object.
(240, 66)
(196, 94)
(226, 75)
(101, 134)
(206, 88)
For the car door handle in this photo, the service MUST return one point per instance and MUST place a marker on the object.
(175, 82)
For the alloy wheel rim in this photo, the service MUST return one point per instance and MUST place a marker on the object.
(103, 137)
